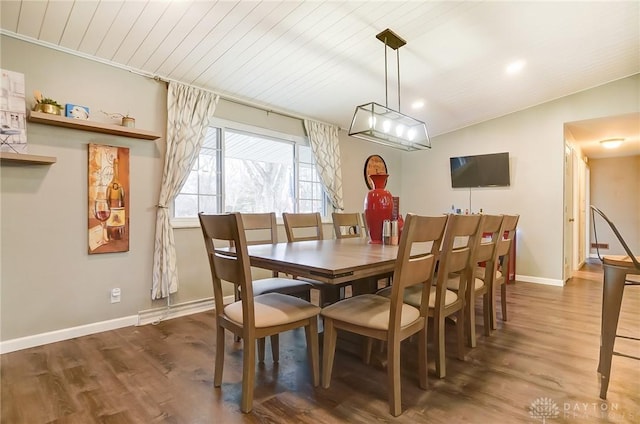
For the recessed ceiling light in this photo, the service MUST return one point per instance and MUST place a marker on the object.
(418, 104)
(611, 143)
(515, 67)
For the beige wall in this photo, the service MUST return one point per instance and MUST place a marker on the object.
(615, 190)
(49, 282)
(534, 139)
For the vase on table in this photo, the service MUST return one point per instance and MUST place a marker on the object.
(378, 206)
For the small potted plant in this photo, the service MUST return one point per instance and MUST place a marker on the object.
(126, 120)
(45, 104)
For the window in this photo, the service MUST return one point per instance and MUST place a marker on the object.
(243, 171)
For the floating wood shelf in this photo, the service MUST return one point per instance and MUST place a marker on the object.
(80, 124)
(26, 159)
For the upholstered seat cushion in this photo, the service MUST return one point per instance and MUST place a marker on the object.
(479, 272)
(280, 285)
(453, 283)
(413, 296)
(273, 309)
(370, 311)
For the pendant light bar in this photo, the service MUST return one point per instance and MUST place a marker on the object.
(383, 125)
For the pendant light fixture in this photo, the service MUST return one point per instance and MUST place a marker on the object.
(383, 125)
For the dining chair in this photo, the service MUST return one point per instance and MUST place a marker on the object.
(617, 269)
(261, 228)
(486, 249)
(307, 227)
(389, 319)
(454, 265)
(347, 225)
(500, 267)
(252, 317)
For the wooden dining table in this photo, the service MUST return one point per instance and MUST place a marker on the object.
(333, 261)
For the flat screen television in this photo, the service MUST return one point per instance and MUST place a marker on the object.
(490, 170)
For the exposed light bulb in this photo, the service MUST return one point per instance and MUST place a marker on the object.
(372, 122)
(386, 126)
(399, 130)
(411, 134)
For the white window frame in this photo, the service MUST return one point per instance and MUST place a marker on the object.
(223, 125)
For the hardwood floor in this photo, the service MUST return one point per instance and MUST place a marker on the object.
(547, 351)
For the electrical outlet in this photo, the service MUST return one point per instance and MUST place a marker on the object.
(115, 295)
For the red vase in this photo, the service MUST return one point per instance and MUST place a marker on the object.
(378, 206)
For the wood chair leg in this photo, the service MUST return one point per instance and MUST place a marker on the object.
(367, 349)
(329, 350)
(422, 358)
(470, 328)
(503, 299)
(261, 343)
(275, 347)
(313, 350)
(393, 377)
(486, 314)
(248, 375)
(460, 330)
(494, 301)
(219, 361)
(438, 337)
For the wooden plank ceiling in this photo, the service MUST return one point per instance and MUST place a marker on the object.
(320, 58)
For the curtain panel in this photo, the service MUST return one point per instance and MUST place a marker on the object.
(325, 146)
(189, 111)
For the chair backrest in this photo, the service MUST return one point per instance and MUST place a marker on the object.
(595, 210)
(302, 226)
(260, 228)
(487, 244)
(234, 266)
(505, 244)
(457, 256)
(347, 225)
(416, 260)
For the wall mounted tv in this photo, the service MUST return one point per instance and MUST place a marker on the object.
(490, 170)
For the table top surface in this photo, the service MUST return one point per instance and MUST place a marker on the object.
(332, 260)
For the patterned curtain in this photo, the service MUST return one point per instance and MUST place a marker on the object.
(189, 111)
(326, 149)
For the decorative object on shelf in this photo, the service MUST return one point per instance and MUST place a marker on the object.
(76, 111)
(108, 199)
(13, 134)
(373, 165)
(378, 207)
(383, 125)
(46, 104)
(125, 120)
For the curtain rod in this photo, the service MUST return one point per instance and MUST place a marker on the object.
(140, 72)
(230, 98)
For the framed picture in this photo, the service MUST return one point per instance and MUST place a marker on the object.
(13, 133)
(109, 199)
(76, 111)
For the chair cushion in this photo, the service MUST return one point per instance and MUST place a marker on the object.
(280, 285)
(479, 273)
(413, 296)
(454, 283)
(273, 309)
(370, 311)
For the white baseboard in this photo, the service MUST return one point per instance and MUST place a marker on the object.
(539, 280)
(155, 315)
(65, 334)
(143, 317)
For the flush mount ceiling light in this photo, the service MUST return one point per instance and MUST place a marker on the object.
(611, 143)
(383, 125)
